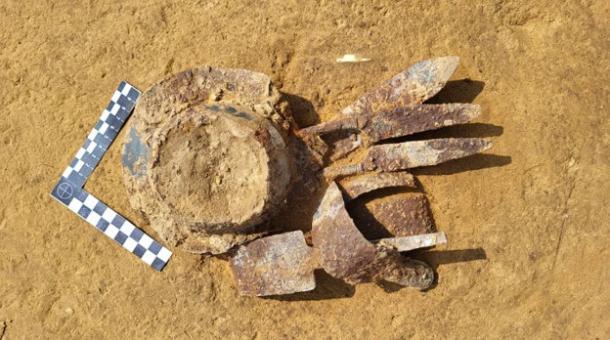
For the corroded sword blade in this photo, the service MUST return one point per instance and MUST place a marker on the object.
(412, 86)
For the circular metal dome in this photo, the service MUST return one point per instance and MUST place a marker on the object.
(204, 160)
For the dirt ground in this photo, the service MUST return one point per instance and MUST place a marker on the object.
(528, 222)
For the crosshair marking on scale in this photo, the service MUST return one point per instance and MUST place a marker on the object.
(65, 190)
(69, 190)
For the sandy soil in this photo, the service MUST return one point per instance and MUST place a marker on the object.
(528, 222)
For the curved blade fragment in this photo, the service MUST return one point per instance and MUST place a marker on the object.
(344, 252)
(363, 184)
(412, 86)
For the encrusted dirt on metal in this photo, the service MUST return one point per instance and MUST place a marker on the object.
(416, 84)
(346, 254)
(275, 265)
(399, 214)
(359, 185)
(212, 163)
(539, 71)
(213, 155)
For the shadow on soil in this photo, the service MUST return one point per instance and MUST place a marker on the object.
(327, 287)
(303, 112)
(437, 258)
(458, 91)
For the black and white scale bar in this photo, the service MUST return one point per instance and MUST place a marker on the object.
(111, 224)
(102, 135)
(69, 190)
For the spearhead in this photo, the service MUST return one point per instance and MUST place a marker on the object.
(412, 86)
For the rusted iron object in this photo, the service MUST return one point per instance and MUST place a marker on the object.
(359, 185)
(347, 255)
(406, 155)
(397, 103)
(215, 160)
(412, 86)
(406, 243)
(402, 121)
(340, 147)
(399, 214)
(344, 252)
(285, 264)
(275, 265)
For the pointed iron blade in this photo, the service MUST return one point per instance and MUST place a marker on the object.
(402, 121)
(406, 155)
(412, 86)
(413, 119)
(401, 156)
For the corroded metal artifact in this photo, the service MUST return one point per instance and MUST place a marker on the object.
(214, 158)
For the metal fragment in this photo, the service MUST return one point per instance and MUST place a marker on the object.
(356, 186)
(401, 270)
(412, 86)
(401, 156)
(407, 243)
(344, 252)
(401, 214)
(402, 121)
(413, 119)
(342, 147)
(347, 255)
(274, 265)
